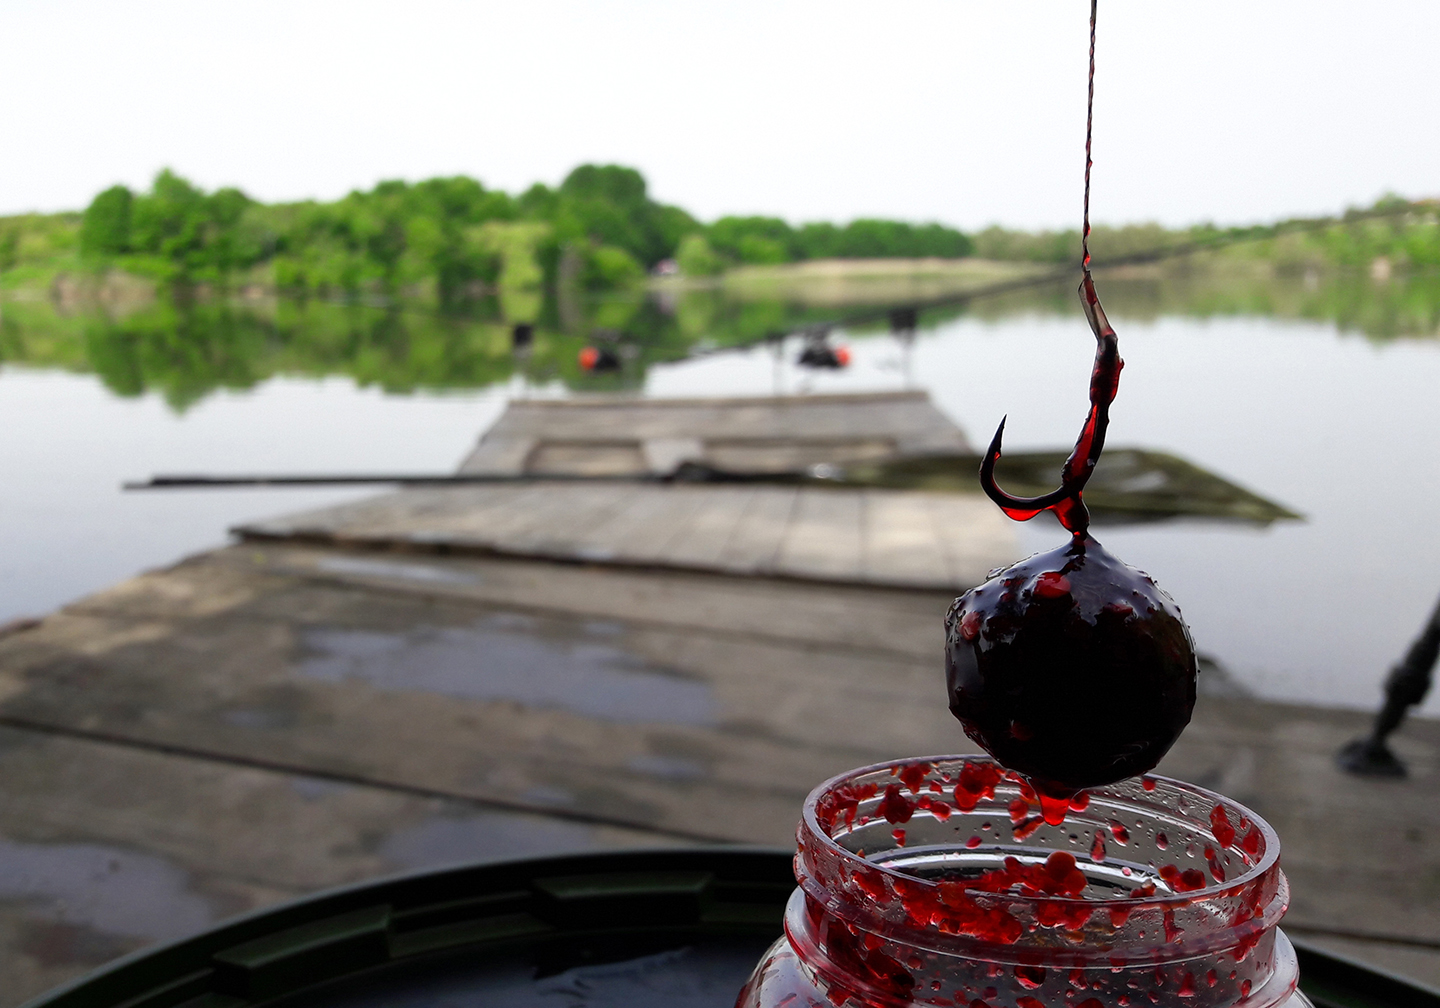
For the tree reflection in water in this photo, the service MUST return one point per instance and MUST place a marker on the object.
(186, 346)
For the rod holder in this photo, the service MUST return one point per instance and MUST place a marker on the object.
(1405, 687)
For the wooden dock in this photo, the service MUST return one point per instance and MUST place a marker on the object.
(435, 676)
(897, 538)
(270, 719)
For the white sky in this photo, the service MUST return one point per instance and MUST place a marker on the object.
(957, 110)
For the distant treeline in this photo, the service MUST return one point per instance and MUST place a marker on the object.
(760, 241)
(447, 238)
(450, 241)
(1405, 233)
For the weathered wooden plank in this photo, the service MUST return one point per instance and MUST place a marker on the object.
(907, 624)
(529, 514)
(481, 514)
(560, 522)
(903, 421)
(450, 517)
(660, 699)
(614, 539)
(754, 546)
(972, 533)
(846, 534)
(505, 456)
(115, 847)
(665, 518)
(650, 724)
(785, 455)
(664, 455)
(703, 539)
(899, 543)
(823, 539)
(588, 458)
(443, 513)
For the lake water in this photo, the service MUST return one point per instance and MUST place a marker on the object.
(1341, 428)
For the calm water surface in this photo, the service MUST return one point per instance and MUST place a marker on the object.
(1341, 429)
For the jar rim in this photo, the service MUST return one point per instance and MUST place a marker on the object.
(1267, 861)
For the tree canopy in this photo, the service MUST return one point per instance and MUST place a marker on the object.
(446, 236)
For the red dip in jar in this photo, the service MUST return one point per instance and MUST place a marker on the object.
(938, 881)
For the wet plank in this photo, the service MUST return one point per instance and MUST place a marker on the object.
(647, 724)
(371, 694)
(106, 849)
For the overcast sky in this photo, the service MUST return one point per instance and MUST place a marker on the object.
(958, 110)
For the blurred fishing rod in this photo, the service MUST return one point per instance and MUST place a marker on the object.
(686, 472)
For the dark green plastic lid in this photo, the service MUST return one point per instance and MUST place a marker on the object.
(672, 928)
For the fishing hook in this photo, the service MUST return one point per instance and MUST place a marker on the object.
(1066, 502)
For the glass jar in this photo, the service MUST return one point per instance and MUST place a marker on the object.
(937, 881)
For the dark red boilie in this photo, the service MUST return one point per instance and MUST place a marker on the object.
(1070, 667)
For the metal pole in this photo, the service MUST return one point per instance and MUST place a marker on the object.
(1405, 687)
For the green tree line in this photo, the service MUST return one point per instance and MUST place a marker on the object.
(733, 241)
(452, 241)
(452, 238)
(448, 238)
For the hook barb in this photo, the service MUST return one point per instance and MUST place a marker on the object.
(1018, 508)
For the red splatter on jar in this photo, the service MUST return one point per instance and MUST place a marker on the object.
(971, 907)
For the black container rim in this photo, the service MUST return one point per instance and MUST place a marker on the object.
(144, 975)
(177, 972)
